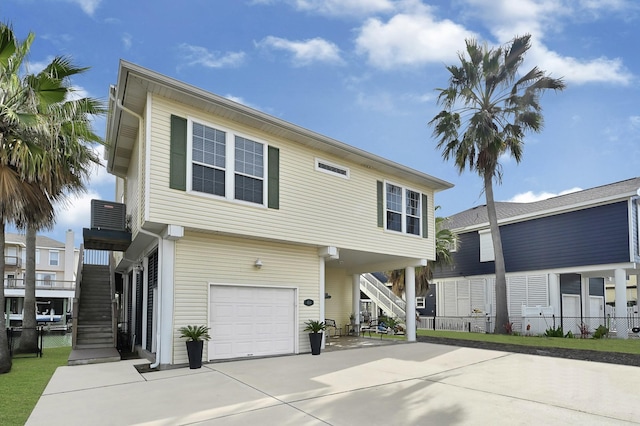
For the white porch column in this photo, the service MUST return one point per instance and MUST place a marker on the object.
(321, 291)
(165, 291)
(584, 293)
(355, 299)
(637, 294)
(410, 293)
(621, 304)
(554, 294)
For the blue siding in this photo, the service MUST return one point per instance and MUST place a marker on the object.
(594, 236)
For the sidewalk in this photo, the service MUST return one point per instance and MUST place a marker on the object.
(408, 384)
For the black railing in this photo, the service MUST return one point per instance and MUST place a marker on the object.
(14, 335)
(584, 327)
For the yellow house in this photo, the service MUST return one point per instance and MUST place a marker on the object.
(244, 222)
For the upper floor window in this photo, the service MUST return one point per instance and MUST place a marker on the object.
(54, 258)
(403, 210)
(227, 165)
(37, 256)
(420, 302)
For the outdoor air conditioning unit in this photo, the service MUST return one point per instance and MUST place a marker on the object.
(108, 215)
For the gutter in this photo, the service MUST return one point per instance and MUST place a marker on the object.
(143, 231)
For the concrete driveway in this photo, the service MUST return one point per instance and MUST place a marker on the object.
(405, 384)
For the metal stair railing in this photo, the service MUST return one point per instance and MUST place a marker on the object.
(382, 296)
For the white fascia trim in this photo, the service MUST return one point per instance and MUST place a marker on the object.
(584, 270)
(549, 212)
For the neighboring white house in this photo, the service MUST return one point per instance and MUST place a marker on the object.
(56, 266)
(245, 223)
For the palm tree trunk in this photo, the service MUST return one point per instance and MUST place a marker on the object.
(502, 312)
(5, 358)
(29, 337)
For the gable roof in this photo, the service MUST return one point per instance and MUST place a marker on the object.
(130, 96)
(41, 241)
(477, 217)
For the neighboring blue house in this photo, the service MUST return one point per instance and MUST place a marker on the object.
(558, 254)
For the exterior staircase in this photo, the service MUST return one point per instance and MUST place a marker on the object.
(94, 316)
(382, 296)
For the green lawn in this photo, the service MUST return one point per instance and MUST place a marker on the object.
(631, 346)
(22, 386)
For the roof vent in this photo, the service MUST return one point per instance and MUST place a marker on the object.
(108, 215)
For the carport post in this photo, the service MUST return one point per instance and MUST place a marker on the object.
(355, 296)
(621, 304)
(410, 309)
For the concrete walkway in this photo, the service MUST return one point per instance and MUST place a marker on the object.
(408, 384)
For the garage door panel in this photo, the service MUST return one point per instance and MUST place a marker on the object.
(251, 321)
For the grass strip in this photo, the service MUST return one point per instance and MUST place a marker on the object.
(630, 346)
(22, 386)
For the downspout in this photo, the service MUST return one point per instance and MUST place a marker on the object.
(143, 231)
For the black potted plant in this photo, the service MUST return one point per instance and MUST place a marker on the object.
(315, 336)
(196, 335)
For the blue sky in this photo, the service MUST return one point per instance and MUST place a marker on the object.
(365, 72)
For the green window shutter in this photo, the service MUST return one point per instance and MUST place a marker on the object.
(273, 180)
(380, 204)
(178, 154)
(425, 216)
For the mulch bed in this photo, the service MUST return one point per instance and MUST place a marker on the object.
(579, 354)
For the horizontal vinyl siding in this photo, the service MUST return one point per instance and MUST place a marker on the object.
(315, 208)
(204, 259)
(594, 236)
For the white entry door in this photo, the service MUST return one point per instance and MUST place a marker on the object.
(596, 312)
(251, 321)
(571, 313)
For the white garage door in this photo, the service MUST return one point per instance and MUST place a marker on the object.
(251, 321)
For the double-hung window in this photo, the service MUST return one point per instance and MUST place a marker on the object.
(403, 210)
(54, 258)
(208, 154)
(249, 170)
(226, 164)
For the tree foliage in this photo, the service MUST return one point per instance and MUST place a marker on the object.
(488, 108)
(45, 151)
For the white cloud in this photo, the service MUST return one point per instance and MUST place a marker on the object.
(577, 71)
(506, 18)
(127, 41)
(530, 196)
(345, 7)
(76, 213)
(240, 100)
(87, 6)
(304, 52)
(198, 55)
(414, 37)
(99, 175)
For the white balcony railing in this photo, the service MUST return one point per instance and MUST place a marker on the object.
(18, 283)
(12, 261)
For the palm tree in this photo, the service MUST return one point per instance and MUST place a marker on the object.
(64, 168)
(445, 239)
(40, 157)
(494, 106)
